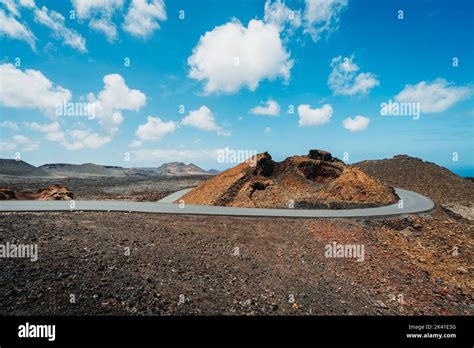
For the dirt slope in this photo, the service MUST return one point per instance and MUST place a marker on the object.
(316, 180)
(427, 178)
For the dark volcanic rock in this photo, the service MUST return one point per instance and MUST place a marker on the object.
(264, 165)
(7, 194)
(320, 155)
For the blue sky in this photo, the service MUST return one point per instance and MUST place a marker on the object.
(220, 62)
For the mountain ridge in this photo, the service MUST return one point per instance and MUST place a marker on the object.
(11, 167)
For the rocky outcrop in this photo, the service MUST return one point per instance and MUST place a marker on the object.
(53, 192)
(317, 180)
(6, 194)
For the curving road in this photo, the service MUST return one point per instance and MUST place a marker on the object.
(412, 203)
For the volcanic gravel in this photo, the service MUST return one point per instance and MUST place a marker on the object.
(149, 264)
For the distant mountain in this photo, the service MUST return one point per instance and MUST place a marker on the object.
(181, 169)
(79, 170)
(19, 168)
(64, 170)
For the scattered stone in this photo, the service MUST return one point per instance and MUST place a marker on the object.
(51, 193)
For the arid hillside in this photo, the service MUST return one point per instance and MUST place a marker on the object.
(450, 191)
(316, 180)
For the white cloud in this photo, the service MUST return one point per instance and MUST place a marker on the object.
(55, 21)
(314, 117)
(73, 139)
(9, 125)
(24, 143)
(10, 25)
(104, 26)
(322, 16)
(356, 124)
(11, 7)
(56, 137)
(173, 155)
(278, 14)
(344, 79)
(100, 14)
(136, 143)
(85, 139)
(12, 28)
(153, 130)
(203, 118)
(29, 89)
(115, 97)
(270, 108)
(27, 3)
(7, 146)
(267, 130)
(143, 16)
(233, 56)
(45, 128)
(434, 96)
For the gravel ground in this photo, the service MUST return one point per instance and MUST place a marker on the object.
(93, 263)
(190, 265)
(149, 189)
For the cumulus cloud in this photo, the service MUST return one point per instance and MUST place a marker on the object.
(100, 15)
(24, 143)
(10, 25)
(7, 146)
(153, 130)
(143, 16)
(52, 131)
(77, 138)
(203, 118)
(46, 128)
(55, 21)
(270, 108)
(29, 89)
(9, 125)
(356, 124)
(232, 56)
(435, 96)
(322, 16)
(84, 139)
(281, 16)
(115, 97)
(27, 3)
(106, 27)
(344, 79)
(136, 143)
(12, 28)
(314, 117)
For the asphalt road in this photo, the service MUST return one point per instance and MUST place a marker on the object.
(412, 203)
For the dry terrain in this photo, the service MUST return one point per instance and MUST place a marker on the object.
(316, 180)
(151, 264)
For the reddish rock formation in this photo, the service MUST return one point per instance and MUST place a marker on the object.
(317, 180)
(51, 193)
